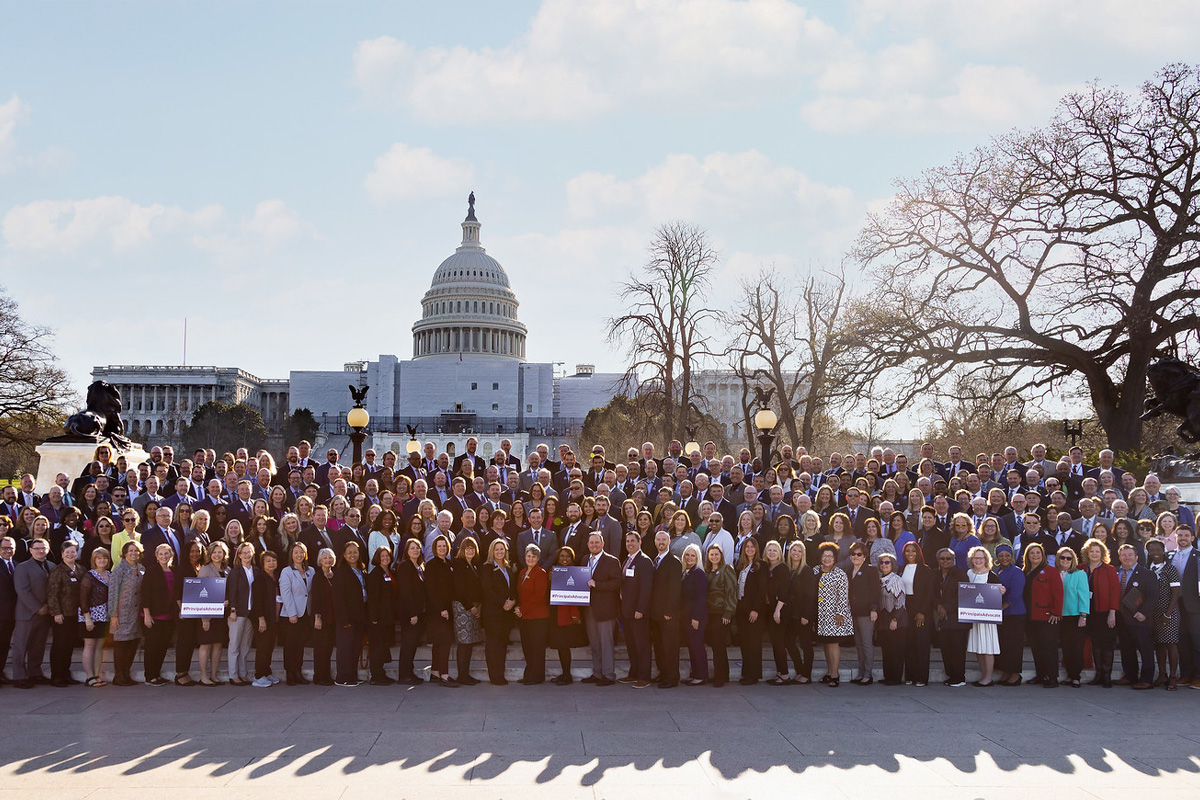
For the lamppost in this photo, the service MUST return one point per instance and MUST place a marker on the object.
(358, 419)
(691, 445)
(413, 446)
(1074, 430)
(765, 420)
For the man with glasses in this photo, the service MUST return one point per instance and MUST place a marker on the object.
(31, 581)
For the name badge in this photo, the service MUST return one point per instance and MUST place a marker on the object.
(629, 572)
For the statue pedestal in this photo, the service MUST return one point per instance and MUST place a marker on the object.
(72, 457)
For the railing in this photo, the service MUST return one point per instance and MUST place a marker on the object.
(540, 426)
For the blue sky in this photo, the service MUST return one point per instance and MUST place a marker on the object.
(268, 168)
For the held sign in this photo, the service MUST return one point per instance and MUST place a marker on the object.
(203, 598)
(569, 586)
(980, 602)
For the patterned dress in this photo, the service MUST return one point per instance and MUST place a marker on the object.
(1166, 631)
(833, 598)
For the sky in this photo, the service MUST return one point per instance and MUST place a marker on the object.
(288, 175)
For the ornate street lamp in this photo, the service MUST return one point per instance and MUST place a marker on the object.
(358, 419)
(765, 420)
(413, 446)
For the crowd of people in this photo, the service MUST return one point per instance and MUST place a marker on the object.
(857, 554)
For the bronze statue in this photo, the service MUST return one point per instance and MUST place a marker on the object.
(762, 396)
(100, 420)
(358, 394)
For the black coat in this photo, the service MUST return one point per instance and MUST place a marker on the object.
(801, 596)
(755, 596)
(266, 594)
(468, 588)
(496, 592)
(864, 591)
(381, 597)
(349, 604)
(667, 589)
(411, 592)
(923, 600)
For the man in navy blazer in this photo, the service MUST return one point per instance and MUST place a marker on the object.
(666, 602)
(544, 538)
(1135, 619)
(1187, 560)
(637, 585)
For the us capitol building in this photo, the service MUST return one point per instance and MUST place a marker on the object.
(467, 375)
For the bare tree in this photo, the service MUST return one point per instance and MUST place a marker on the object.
(1064, 256)
(666, 328)
(35, 395)
(798, 344)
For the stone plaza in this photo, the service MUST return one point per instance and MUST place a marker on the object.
(309, 743)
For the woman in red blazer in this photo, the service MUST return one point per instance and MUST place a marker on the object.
(1106, 599)
(1044, 602)
(533, 610)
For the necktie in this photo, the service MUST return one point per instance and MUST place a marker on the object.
(592, 565)
(1124, 578)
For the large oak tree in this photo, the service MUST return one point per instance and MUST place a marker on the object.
(1065, 257)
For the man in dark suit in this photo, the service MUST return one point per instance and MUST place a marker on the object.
(955, 464)
(331, 463)
(1065, 535)
(513, 462)
(241, 507)
(665, 604)
(352, 532)
(8, 599)
(9, 507)
(544, 538)
(456, 503)
(31, 580)
(636, 589)
(576, 533)
(605, 524)
(857, 512)
(182, 494)
(1135, 619)
(162, 533)
(478, 465)
(1187, 560)
(721, 505)
(601, 614)
(595, 475)
(212, 497)
(315, 535)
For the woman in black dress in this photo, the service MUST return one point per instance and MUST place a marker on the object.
(800, 593)
(439, 610)
(410, 608)
(264, 617)
(467, 605)
(350, 613)
(499, 598)
(324, 621)
(751, 614)
(566, 625)
(381, 616)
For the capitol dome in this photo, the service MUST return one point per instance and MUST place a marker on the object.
(469, 309)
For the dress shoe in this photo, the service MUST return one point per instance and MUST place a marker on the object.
(323, 682)
(59, 683)
(73, 682)
(749, 681)
(640, 684)
(1122, 682)
(411, 680)
(291, 680)
(467, 680)
(501, 682)
(381, 681)
(592, 679)
(447, 682)
(668, 684)
(564, 680)
(627, 679)
(300, 679)
(23, 684)
(1141, 686)
(717, 683)
(867, 681)
(605, 682)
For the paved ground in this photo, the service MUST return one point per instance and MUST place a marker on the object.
(305, 743)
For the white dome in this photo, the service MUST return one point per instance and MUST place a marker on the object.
(469, 308)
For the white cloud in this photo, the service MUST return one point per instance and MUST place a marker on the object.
(13, 112)
(61, 227)
(1036, 27)
(417, 173)
(579, 60)
(913, 88)
(719, 187)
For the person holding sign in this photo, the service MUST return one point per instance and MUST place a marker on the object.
(952, 634)
(213, 631)
(603, 606)
(983, 639)
(566, 624)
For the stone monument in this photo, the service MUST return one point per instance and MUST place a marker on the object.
(1175, 390)
(99, 423)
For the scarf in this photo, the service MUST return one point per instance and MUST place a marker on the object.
(892, 594)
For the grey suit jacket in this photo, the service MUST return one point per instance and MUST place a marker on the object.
(548, 546)
(612, 534)
(32, 582)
